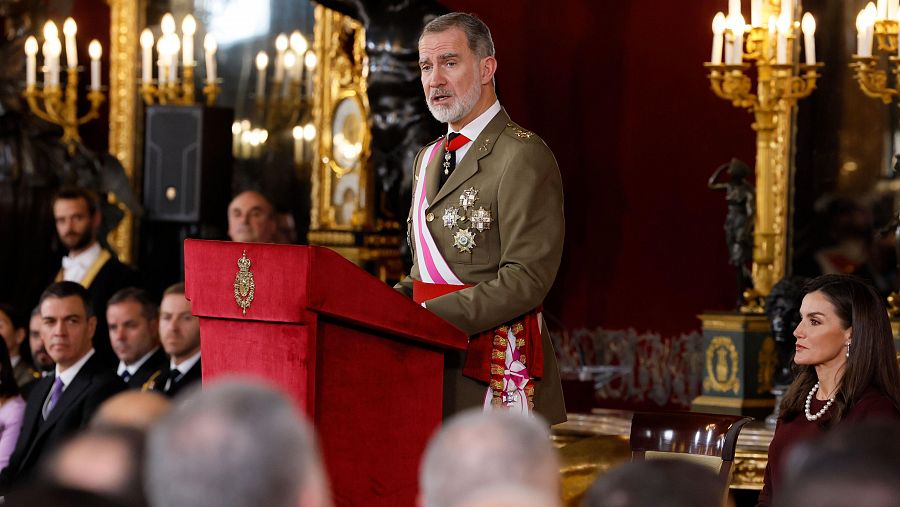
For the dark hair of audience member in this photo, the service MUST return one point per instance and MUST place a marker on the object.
(656, 483)
(24, 351)
(852, 466)
(69, 193)
(149, 308)
(66, 289)
(872, 360)
(175, 288)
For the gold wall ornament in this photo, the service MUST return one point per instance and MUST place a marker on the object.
(780, 83)
(768, 361)
(244, 285)
(722, 366)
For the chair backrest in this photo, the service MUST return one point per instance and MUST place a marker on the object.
(710, 437)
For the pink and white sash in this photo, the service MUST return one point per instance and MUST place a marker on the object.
(433, 268)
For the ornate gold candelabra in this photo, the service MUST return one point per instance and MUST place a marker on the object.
(49, 104)
(780, 83)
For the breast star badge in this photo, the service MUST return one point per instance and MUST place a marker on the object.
(451, 217)
(480, 219)
(464, 241)
(468, 197)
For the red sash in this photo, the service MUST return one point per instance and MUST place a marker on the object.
(479, 353)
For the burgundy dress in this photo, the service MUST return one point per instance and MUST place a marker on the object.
(871, 405)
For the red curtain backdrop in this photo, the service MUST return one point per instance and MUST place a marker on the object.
(619, 93)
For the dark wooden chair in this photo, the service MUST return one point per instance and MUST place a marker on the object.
(709, 439)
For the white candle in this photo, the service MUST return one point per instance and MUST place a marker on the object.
(861, 33)
(94, 51)
(808, 25)
(69, 30)
(734, 8)
(893, 9)
(51, 50)
(210, 46)
(773, 34)
(146, 56)
(235, 138)
(281, 45)
(756, 12)
(882, 9)
(262, 62)
(290, 62)
(718, 28)
(188, 27)
(737, 27)
(787, 10)
(871, 13)
(163, 61)
(31, 49)
(174, 47)
(297, 134)
(310, 61)
(784, 28)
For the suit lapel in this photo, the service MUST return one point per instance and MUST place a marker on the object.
(480, 148)
(31, 421)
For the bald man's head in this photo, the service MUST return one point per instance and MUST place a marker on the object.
(251, 219)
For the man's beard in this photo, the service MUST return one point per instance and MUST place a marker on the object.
(82, 241)
(458, 108)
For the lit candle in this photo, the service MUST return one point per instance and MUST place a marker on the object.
(235, 139)
(734, 8)
(784, 28)
(773, 33)
(718, 28)
(871, 13)
(808, 25)
(290, 61)
(188, 27)
(299, 46)
(309, 133)
(94, 51)
(210, 46)
(737, 26)
(174, 47)
(756, 12)
(297, 134)
(310, 61)
(882, 9)
(31, 49)
(146, 56)
(163, 62)
(893, 9)
(787, 10)
(69, 30)
(262, 62)
(281, 45)
(51, 50)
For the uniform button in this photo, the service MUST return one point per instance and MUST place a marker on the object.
(429, 217)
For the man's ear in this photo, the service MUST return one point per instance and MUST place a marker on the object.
(488, 68)
(92, 326)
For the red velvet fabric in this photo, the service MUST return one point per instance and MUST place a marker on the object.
(362, 361)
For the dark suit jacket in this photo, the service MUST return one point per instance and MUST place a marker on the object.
(152, 369)
(186, 380)
(111, 278)
(77, 404)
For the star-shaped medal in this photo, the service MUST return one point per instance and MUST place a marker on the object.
(451, 217)
(468, 197)
(464, 241)
(480, 219)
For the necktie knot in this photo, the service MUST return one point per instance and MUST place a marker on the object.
(126, 376)
(455, 141)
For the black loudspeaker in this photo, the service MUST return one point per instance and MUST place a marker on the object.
(187, 164)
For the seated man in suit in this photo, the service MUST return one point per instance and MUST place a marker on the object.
(180, 333)
(78, 221)
(133, 320)
(61, 404)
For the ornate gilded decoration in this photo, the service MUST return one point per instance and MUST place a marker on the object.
(722, 366)
(244, 286)
(768, 360)
(123, 57)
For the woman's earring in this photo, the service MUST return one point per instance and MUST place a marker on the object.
(848, 349)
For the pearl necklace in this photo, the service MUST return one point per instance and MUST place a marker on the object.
(820, 413)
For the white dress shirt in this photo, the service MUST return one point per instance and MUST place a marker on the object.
(76, 267)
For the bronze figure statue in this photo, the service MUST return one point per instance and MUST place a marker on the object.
(741, 199)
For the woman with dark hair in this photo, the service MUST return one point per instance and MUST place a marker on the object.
(12, 409)
(845, 365)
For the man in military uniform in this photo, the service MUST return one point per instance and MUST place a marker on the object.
(486, 229)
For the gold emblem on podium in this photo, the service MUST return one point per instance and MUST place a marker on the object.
(244, 286)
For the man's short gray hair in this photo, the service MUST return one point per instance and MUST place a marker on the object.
(234, 444)
(478, 35)
(476, 451)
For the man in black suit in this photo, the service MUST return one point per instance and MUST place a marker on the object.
(88, 263)
(61, 404)
(133, 320)
(179, 330)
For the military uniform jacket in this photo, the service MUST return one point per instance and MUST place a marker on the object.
(513, 263)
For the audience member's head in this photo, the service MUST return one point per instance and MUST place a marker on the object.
(12, 329)
(67, 322)
(854, 465)
(133, 320)
(476, 450)
(509, 496)
(656, 483)
(179, 330)
(234, 444)
(132, 409)
(108, 461)
(251, 218)
(39, 356)
(77, 218)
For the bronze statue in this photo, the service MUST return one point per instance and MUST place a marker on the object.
(783, 312)
(741, 200)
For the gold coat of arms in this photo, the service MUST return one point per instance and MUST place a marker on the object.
(244, 286)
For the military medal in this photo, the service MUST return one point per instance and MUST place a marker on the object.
(468, 197)
(447, 163)
(451, 217)
(464, 240)
(480, 219)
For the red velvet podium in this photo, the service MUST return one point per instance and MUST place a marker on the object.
(361, 360)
